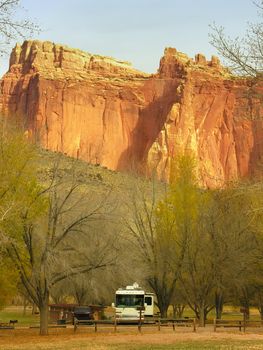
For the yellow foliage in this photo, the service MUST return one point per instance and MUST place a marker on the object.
(178, 210)
(8, 282)
(19, 190)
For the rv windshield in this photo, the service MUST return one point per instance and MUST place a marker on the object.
(129, 300)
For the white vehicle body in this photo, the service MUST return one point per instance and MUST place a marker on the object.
(133, 303)
(149, 304)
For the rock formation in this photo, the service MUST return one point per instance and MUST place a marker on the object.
(103, 111)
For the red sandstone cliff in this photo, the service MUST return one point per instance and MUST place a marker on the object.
(104, 111)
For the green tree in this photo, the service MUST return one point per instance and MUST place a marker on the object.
(17, 187)
(17, 175)
(175, 221)
(255, 277)
(8, 281)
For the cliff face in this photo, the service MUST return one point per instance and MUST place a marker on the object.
(105, 112)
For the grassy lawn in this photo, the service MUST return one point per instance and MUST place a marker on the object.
(81, 345)
(16, 313)
(230, 312)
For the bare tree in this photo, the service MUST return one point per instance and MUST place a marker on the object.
(178, 302)
(159, 273)
(219, 258)
(197, 275)
(160, 228)
(11, 27)
(88, 289)
(66, 241)
(244, 55)
(230, 228)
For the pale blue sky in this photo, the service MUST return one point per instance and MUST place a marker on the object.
(138, 30)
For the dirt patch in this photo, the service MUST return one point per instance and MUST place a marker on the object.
(28, 339)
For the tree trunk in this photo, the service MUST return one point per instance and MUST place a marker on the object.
(164, 312)
(260, 308)
(174, 311)
(44, 314)
(163, 307)
(33, 308)
(245, 301)
(24, 306)
(260, 304)
(219, 302)
(178, 310)
(247, 310)
(202, 315)
(248, 313)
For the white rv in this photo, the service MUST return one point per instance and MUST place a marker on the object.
(133, 301)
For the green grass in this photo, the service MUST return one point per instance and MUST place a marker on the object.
(17, 314)
(230, 313)
(13, 313)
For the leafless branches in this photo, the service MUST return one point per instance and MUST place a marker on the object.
(244, 55)
(11, 27)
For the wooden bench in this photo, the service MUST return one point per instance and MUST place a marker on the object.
(229, 324)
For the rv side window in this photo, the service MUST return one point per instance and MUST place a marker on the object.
(148, 300)
(129, 300)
